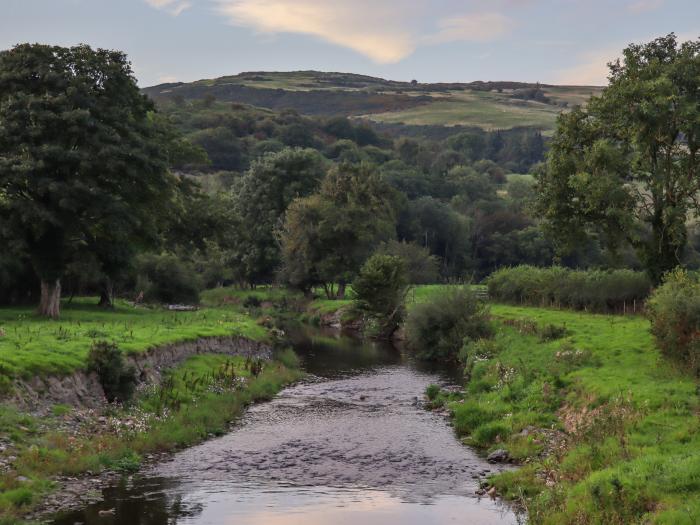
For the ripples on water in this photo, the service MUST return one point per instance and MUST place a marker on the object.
(349, 446)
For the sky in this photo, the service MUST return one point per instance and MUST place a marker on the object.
(558, 42)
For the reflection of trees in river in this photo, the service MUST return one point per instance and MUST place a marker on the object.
(140, 502)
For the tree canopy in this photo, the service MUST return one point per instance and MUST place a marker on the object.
(81, 158)
(626, 167)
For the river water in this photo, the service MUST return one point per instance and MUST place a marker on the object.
(351, 445)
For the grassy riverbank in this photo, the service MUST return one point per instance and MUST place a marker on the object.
(31, 345)
(198, 399)
(606, 428)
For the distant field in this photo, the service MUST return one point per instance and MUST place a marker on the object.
(487, 110)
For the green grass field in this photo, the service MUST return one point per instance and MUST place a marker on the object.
(486, 110)
(632, 446)
(32, 345)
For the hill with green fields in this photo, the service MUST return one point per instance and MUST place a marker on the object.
(486, 105)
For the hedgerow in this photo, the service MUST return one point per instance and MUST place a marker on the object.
(591, 290)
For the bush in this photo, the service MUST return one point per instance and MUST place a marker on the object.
(165, 278)
(252, 301)
(380, 292)
(432, 391)
(674, 311)
(474, 351)
(596, 290)
(288, 358)
(117, 379)
(436, 330)
(421, 267)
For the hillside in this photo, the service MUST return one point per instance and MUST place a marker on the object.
(486, 105)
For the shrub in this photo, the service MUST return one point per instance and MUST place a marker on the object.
(288, 358)
(474, 351)
(18, 497)
(432, 391)
(674, 311)
(597, 290)
(380, 292)
(252, 301)
(421, 267)
(117, 379)
(436, 330)
(165, 278)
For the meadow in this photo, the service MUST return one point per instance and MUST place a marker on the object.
(482, 109)
(32, 345)
(605, 428)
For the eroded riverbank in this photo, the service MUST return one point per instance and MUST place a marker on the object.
(352, 444)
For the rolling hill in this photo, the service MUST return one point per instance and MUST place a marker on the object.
(390, 104)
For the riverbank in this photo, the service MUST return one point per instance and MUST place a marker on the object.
(49, 456)
(605, 429)
(352, 444)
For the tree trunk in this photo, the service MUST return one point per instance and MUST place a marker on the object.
(106, 294)
(50, 303)
(341, 290)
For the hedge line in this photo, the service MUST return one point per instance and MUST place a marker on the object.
(592, 290)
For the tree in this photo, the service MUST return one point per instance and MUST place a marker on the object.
(326, 237)
(437, 227)
(264, 193)
(380, 292)
(421, 267)
(80, 155)
(627, 165)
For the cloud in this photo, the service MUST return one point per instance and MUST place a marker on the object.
(382, 35)
(592, 69)
(386, 31)
(474, 27)
(642, 6)
(174, 7)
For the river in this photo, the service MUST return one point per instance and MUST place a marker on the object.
(350, 445)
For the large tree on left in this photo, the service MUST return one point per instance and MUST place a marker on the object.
(81, 156)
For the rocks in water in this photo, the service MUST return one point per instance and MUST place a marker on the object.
(498, 456)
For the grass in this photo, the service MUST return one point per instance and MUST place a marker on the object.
(199, 398)
(32, 345)
(621, 421)
(486, 110)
